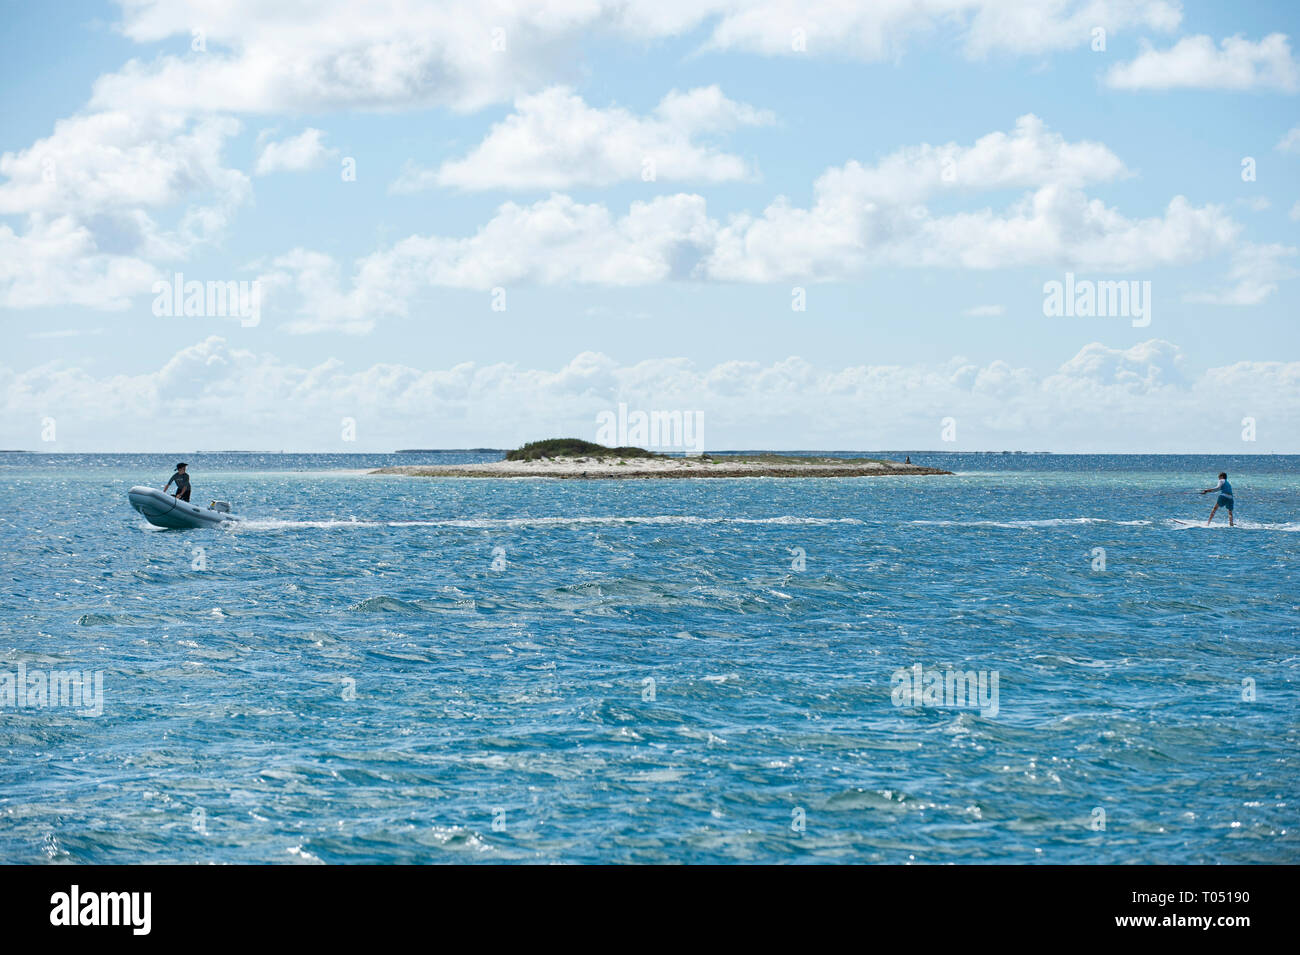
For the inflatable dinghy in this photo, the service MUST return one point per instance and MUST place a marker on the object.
(162, 510)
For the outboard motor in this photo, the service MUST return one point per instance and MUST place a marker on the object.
(221, 506)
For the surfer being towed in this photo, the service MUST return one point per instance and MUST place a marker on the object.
(1225, 497)
(182, 481)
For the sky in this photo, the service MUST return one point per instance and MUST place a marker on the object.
(816, 224)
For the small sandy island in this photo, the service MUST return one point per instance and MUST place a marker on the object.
(583, 460)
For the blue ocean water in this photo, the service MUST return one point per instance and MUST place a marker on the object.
(387, 669)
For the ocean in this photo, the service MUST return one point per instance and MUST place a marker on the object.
(387, 669)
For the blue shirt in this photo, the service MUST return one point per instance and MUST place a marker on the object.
(1224, 488)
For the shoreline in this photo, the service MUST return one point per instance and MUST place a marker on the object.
(612, 468)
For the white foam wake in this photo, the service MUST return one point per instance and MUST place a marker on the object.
(490, 523)
(487, 523)
(1044, 522)
(1221, 525)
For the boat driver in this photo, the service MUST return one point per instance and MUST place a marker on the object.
(182, 481)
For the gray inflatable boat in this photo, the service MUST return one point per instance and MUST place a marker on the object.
(163, 510)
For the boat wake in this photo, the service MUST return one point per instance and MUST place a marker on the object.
(255, 525)
(489, 523)
(1222, 525)
(1043, 522)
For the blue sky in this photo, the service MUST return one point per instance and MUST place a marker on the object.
(887, 169)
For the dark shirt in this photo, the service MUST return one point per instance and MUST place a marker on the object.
(182, 480)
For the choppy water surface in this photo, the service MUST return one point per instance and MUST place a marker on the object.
(379, 669)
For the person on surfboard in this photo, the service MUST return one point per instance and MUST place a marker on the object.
(182, 481)
(1225, 497)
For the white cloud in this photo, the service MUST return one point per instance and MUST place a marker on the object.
(407, 54)
(92, 194)
(554, 140)
(1142, 398)
(1254, 274)
(1195, 63)
(882, 30)
(1295, 212)
(323, 304)
(705, 109)
(1042, 26)
(305, 151)
(1290, 143)
(1141, 368)
(1030, 155)
(138, 181)
(551, 242)
(862, 217)
(57, 262)
(840, 237)
(400, 54)
(107, 162)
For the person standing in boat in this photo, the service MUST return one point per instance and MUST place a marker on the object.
(182, 482)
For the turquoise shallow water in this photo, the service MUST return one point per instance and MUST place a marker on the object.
(350, 679)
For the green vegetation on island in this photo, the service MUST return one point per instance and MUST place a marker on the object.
(573, 448)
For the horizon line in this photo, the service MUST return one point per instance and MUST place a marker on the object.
(674, 451)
